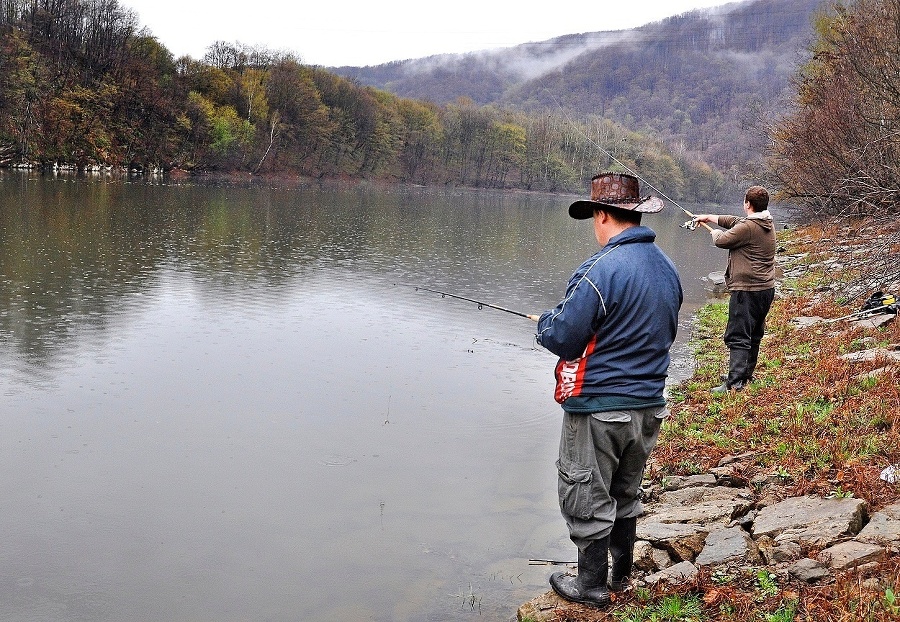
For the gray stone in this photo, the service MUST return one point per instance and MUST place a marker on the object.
(682, 541)
(745, 521)
(778, 553)
(766, 546)
(866, 356)
(808, 570)
(873, 374)
(785, 552)
(657, 532)
(541, 609)
(728, 545)
(705, 512)
(728, 476)
(643, 556)
(650, 559)
(687, 523)
(875, 321)
(661, 559)
(683, 571)
(872, 584)
(688, 496)
(884, 527)
(804, 322)
(823, 534)
(850, 554)
(747, 455)
(767, 479)
(677, 482)
(702, 505)
(650, 492)
(810, 521)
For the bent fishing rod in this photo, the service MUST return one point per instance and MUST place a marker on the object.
(480, 303)
(628, 169)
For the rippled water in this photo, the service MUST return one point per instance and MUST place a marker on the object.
(226, 403)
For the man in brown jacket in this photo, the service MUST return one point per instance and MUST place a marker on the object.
(750, 277)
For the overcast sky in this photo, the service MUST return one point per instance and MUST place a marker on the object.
(355, 32)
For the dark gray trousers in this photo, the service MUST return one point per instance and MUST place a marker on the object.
(602, 457)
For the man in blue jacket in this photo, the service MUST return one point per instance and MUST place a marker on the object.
(612, 332)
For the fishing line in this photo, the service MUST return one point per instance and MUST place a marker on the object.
(627, 168)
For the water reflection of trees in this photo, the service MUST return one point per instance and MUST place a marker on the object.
(78, 255)
(73, 252)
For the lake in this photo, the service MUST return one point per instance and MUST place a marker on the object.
(231, 402)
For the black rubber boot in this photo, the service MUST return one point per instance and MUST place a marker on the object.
(737, 372)
(589, 587)
(621, 549)
(752, 357)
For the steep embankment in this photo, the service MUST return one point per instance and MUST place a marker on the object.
(777, 502)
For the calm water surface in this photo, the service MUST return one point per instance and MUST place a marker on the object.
(231, 404)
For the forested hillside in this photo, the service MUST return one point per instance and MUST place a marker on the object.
(83, 85)
(707, 83)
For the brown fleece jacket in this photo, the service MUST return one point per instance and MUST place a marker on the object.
(751, 251)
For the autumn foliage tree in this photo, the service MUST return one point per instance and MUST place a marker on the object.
(839, 152)
(82, 86)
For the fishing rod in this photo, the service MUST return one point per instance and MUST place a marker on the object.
(628, 169)
(478, 302)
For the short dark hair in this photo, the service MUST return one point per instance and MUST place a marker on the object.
(628, 216)
(758, 197)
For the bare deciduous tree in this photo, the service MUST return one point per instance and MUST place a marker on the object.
(838, 154)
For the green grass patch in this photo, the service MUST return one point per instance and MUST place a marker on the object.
(672, 608)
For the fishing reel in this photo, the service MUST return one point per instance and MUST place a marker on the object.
(879, 301)
(690, 225)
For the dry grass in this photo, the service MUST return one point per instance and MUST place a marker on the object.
(825, 425)
(852, 597)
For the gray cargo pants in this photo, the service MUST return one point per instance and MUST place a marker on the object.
(601, 463)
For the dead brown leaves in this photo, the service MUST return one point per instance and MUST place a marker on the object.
(827, 424)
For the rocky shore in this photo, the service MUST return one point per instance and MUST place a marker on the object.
(719, 524)
(747, 535)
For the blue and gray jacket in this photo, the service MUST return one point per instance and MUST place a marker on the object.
(615, 326)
